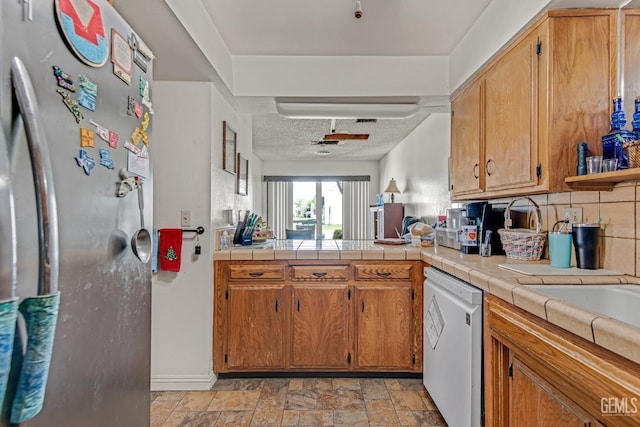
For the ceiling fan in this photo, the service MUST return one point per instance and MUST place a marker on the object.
(339, 138)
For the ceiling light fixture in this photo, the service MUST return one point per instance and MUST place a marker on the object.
(303, 110)
(323, 152)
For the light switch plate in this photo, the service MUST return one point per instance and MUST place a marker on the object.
(185, 218)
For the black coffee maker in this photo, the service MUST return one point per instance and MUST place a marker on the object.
(487, 218)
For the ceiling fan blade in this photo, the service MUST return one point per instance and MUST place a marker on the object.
(345, 136)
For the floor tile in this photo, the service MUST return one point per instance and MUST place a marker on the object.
(199, 419)
(350, 417)
(407, 400)
(374, 389)
(238, 400)
(316, 418)
(234, 419)
(381, 412)
(267, 415)
(301, 400)
(346, 383)
(160, 411)
(340, 402)
(195, 401)
(168, 395)
(340, 399)
(174, 419)
(290, 417)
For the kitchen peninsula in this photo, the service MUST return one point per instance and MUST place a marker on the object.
(536, 348)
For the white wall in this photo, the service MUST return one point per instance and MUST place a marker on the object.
(419, 165)
(188, 175)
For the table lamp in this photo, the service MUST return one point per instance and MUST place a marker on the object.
(392, 188)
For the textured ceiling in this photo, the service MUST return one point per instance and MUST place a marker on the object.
(279, 138)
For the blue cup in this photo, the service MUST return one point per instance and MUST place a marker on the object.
(560, 249)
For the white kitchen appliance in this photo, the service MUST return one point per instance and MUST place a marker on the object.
(453, 347)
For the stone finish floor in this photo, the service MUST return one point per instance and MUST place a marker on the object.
(298, 401)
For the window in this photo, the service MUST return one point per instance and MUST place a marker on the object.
(319, 203)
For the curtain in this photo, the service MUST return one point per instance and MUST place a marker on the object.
(280, 207)
(355, 210)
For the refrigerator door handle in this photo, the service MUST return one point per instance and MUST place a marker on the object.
(8, 254)
(42, 177)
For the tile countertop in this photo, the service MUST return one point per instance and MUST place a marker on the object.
(482, 272)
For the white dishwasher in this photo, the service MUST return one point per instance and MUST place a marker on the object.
(453, 347)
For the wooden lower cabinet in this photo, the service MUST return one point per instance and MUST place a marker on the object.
(259, 326)
(384, 324)
(537, 374)
(320, 335)
(317, 316)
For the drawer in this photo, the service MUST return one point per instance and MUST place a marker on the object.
(320, 272)
(383, 272)
(256, 272)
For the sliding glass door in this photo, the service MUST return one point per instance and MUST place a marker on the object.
(317, 206)
(326, 206)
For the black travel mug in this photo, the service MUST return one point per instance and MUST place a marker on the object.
(586, 241)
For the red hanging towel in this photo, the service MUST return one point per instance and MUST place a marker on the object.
(170, 249)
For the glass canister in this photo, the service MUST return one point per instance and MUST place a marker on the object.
(612, 142)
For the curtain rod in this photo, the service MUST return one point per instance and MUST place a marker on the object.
(282, 178)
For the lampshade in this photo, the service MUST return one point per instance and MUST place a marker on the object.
(392, 187)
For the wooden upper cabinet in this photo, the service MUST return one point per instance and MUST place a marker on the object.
(511, 87)
(320, 336)
(548, 90)
(631, 73)
(577, 104)
(257, 316)
(467, 164)
(384, 327)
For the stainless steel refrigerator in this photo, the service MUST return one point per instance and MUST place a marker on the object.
(100, 365)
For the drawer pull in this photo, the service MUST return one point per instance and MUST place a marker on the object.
(276, 305)
(256, 274)
(383, 273)
(320, 274)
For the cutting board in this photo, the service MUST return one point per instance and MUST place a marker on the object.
(391, 241)
(547, 270)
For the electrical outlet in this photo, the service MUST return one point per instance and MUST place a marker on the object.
(574, 215)
(185, 218)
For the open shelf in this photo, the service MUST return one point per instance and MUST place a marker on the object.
(603, 180)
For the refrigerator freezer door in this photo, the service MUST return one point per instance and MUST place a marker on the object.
(100, 365)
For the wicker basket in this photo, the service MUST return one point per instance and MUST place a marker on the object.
(520, 243)
(633, 155)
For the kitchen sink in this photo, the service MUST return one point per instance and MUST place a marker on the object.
(620, 302)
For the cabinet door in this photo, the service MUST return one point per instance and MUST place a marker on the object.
(256, 337)
(534, 402)
(467, 167)
(510, 107)
(384, 326)
(320, 336)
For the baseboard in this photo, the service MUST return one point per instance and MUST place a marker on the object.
(182, 382)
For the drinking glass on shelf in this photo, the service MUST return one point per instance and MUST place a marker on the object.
(594, 164)
(609, 165)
